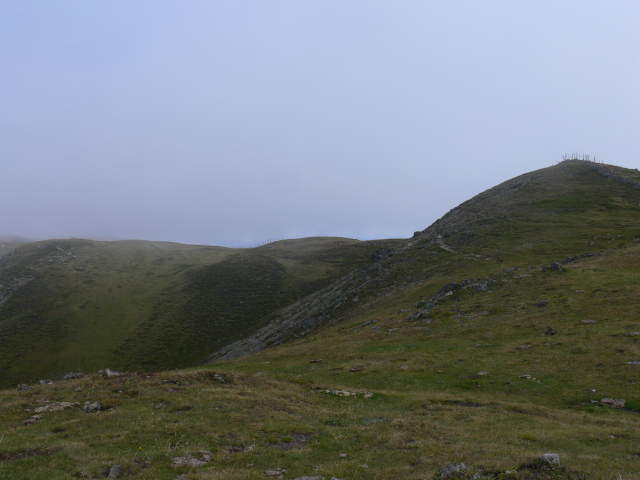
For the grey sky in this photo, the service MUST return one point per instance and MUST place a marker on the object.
(232, 122)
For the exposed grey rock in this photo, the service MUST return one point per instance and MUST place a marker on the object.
(108, 373)
(633, 334)
(589, 321)
(189, 461)
(114, 472)
(550, 458)
(619, 403)
(33, 420)
(71, 375)
(92, 407)
(555, 267)
(450, 470)
(634, 362)
(307, 477)
(475, 284)
(23, 387)
(276, 473)
(45, 382)
(52, 407)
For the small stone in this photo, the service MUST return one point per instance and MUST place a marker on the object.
(33, 420)
(23, 387)
(187, 460)
(450, 470)
(589, 321)
(482, 374)
(45, 382)
(307, 477)
(634, 362)
(276, 473)
(550, 458)
(343, 455)
(92, 407)
(633, 334)
(114, 472)
(614, 402)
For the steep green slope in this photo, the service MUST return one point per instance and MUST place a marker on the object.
(572, 209)
(79, 305)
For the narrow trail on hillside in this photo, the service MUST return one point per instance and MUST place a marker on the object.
(444, 246)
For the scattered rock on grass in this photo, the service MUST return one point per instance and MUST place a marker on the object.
(550, 458)
(92, 407)
(108, 373)
(589, 321)
(276, 473)
(450, 470)
(33, 420)
(115, 472)
(189, 461)
(23, 387)
(52, 407)
(614, 402)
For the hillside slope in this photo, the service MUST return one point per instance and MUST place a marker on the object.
(572, 209)
(80, 305)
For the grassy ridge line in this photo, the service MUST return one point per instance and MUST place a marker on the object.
(149, 305)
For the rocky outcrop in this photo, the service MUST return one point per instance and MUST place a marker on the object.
(9, 288)
(298, 319)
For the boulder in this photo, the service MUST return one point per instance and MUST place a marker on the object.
(92, 407)
(52, 407)
(450, 470)
(550, 458)
(620, 403)
(114, 472)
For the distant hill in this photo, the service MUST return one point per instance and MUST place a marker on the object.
(10, 242)
(69, 305)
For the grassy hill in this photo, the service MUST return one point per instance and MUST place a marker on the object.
(490, 338)
(81, 305)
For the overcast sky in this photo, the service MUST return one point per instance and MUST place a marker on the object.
(232, 122)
